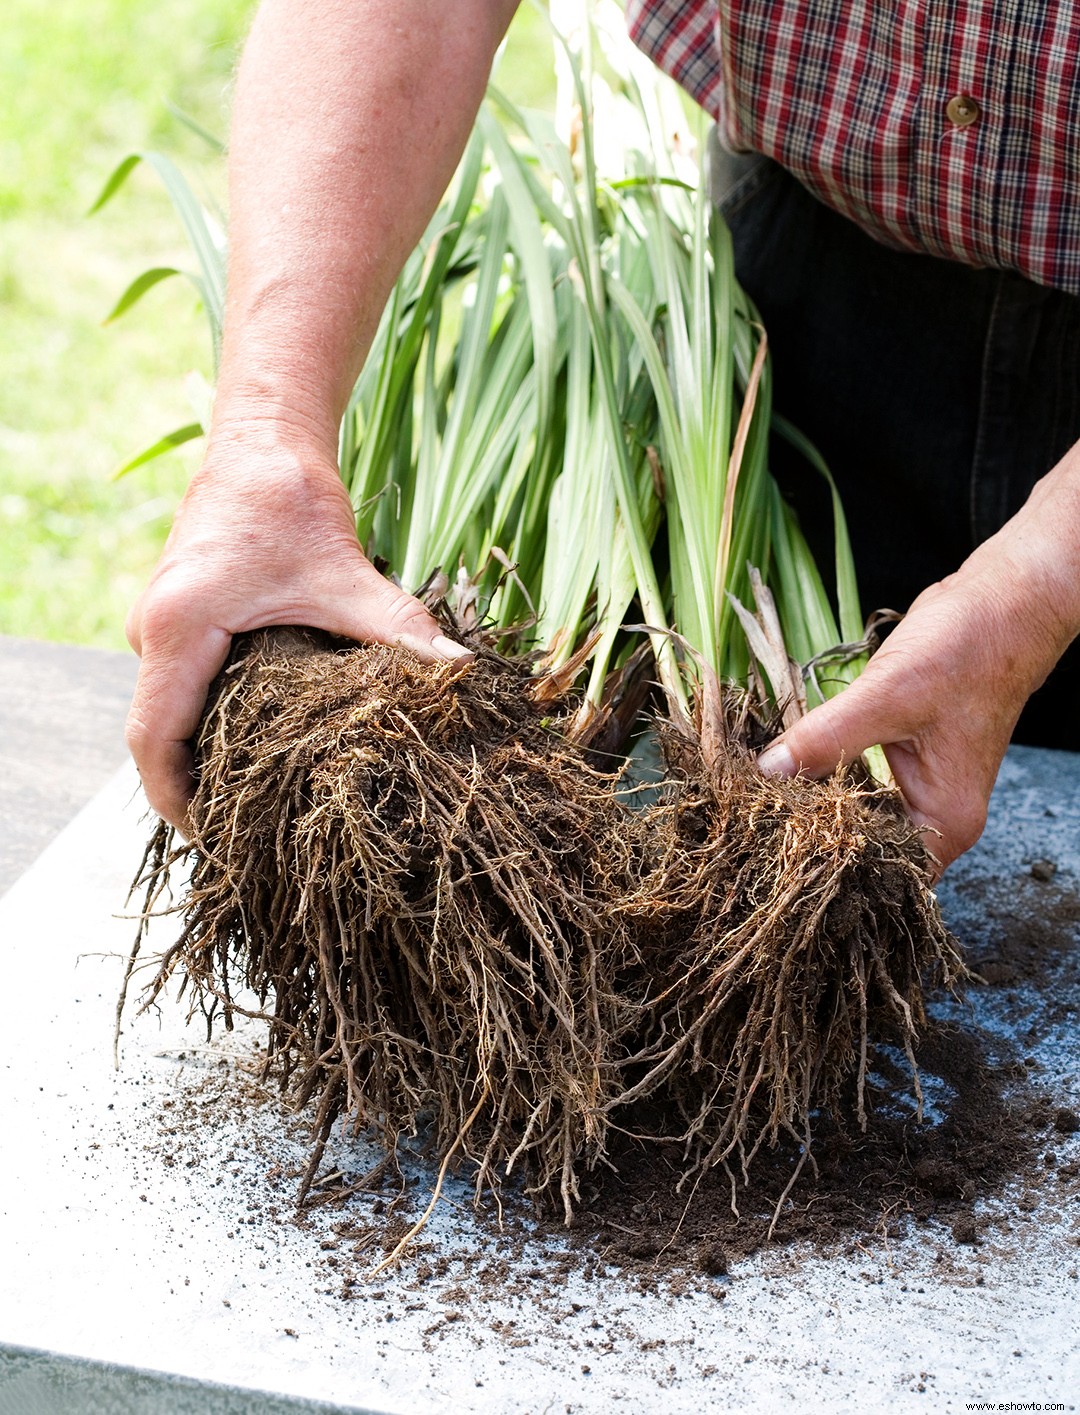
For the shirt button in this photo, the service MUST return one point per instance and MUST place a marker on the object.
(962, 110)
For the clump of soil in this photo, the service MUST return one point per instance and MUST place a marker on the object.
(799, 926)
(413, 871)
(1026, 928)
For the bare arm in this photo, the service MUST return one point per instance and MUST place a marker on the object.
(944, 693)
(349, 118)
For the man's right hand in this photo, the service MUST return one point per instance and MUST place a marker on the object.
(264, 536)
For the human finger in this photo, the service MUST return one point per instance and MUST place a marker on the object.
(170, 695)
(368, 607)
(840, 730)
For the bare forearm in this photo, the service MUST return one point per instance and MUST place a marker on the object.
(1037, 554)
(349, 118)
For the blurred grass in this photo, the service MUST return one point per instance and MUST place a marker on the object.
(81, 85)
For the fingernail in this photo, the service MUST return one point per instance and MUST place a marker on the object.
(440, 649)
(449, 649)
(777, 761)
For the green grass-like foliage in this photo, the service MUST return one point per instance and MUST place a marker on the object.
(565, 364)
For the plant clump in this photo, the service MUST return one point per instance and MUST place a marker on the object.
(426, 878)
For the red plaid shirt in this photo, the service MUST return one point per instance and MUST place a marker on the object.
(947, 126)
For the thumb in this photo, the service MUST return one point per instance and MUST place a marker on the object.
(374, 609)
(837, 731)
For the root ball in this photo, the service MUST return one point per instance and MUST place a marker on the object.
(799, 925)
(413, 873)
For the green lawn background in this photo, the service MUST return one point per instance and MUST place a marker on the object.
(82, 83)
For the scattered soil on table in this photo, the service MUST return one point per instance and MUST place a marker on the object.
(992, 1127)
(1029, 925)
(867, 1184)
(993, 1130)
(996, 1123)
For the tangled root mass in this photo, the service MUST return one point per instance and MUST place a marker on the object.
(453, 922)
(414, 875)
(793, 923)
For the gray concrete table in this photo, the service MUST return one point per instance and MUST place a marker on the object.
(61, 737)
(62, 709)
(145, 1224)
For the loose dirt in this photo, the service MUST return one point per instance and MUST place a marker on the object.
(988, 1128)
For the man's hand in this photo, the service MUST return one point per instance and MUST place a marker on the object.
(264, 536)
(942, 703)
(349, 119)
(943, 694)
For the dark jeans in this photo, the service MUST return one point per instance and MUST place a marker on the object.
(937, 394)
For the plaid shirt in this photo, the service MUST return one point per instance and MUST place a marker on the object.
(947, 126)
